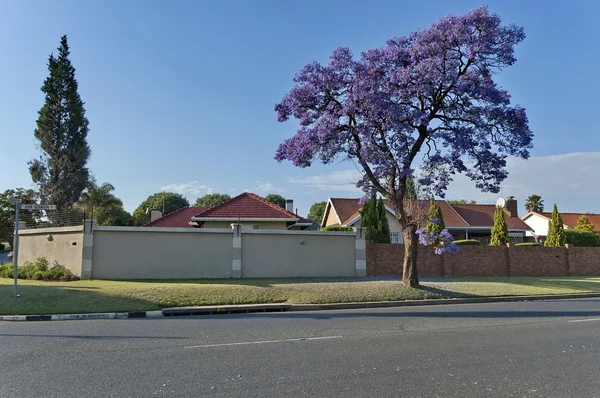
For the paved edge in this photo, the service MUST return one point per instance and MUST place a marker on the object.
(278, 307)
(75, 317)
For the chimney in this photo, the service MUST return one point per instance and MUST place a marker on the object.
(289, 205)
(511, 207)
(155, 215)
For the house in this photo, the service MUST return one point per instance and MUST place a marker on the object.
(247, 209)
(539, 221)
(464, 221)
(181, 218)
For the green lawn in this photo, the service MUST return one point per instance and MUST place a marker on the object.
(109, 296)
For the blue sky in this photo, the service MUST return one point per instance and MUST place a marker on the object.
(180, 94)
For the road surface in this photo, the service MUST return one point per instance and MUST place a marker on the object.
(528, 349)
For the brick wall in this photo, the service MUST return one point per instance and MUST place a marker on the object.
(386, 259)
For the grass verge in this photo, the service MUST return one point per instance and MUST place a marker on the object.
(88, 296)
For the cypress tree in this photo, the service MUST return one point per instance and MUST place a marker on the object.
(61, 172)
(500, 229)
(374, 220)
(556, 230)
(383, 227)
(368, 219)
(435, 218)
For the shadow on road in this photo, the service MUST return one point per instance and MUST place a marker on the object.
(89, 337)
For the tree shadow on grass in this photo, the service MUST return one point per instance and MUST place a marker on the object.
(564, 283)
(65, 299)
(266, 282)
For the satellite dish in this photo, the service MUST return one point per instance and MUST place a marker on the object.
(500, 202)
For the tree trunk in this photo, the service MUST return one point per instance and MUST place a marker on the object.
(410, 276)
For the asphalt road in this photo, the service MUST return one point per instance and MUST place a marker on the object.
(529, 349)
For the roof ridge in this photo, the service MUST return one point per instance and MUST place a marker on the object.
(273, 205)
(220, 205)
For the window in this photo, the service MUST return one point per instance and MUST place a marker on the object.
(396, 237)
(256, 226)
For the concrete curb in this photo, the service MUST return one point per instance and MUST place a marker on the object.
(75, 317)
(254, 308)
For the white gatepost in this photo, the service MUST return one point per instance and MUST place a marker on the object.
(236, 264)
(361, 252)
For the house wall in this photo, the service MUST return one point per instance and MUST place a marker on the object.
(538, 224)
(509, 260)
(394, 226)
(161, 253)
(310, 254)
(65, 247)
(331, 218)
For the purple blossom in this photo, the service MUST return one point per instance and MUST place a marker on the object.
(442, 242)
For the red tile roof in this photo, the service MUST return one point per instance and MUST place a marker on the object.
(345, 208)
(455, 216)
(249, 205)
(483, 216)
(178, 218)
(570, 219)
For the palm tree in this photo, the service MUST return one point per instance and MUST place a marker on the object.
(534, 203)
(99, 201)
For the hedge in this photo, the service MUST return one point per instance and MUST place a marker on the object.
(582, 238)
(468, 242)
(529, 244)
(337, 228)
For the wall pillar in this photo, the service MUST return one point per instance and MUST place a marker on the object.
(568, 248)
(87, 250)
(511, 259)
(361, 252)
(236, 264)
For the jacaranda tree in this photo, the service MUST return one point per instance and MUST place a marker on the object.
(427, 100)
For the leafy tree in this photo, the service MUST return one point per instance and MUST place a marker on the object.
(61, 172)
(117, 216)
(163, 200)
(534, 203)
(411, 189)
(462, 202)
(431, 92)
(317, 211)
(556, 230)
(435, 218)
(7, 212)
(276, 199)
(584, 224)
(212, 200)
(105, 208)
(500, 229)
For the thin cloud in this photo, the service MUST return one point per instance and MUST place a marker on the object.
(188, 188)
(267, 187)
(343, 180)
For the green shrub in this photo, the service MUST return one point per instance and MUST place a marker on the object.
(468, 242)
(40, 271)
(529, 244)
(582, 238)
(337, 228)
